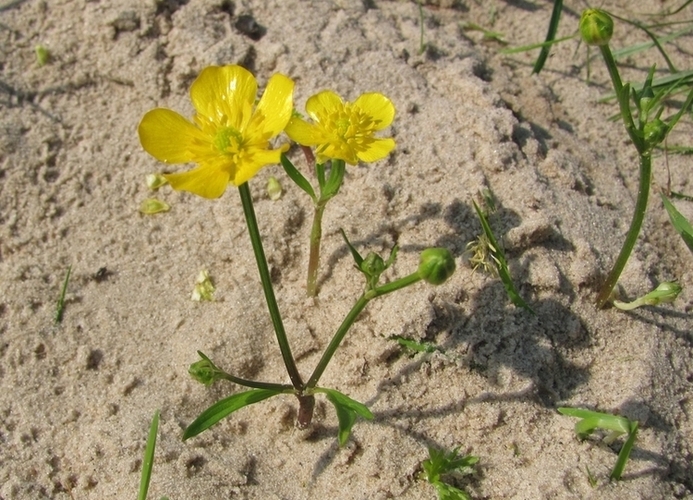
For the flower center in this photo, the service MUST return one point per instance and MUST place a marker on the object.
(351, 126)
(228, 140)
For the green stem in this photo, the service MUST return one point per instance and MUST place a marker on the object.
(623, 94)
(633, 231)
(314, 258)
(351, 317)
(254, 232)
(256, 385)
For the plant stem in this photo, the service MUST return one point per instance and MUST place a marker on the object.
(257, 385)
(314, 258)
(351, 317)
(254, 232)
(622, 93)
(633, 231)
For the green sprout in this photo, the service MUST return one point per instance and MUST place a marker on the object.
(274, 189)
(592, 420)
(415, 346)
(485, 249)
(148, 461)
(664, 293)
(60, 306)
(43, 55)
(441, 463)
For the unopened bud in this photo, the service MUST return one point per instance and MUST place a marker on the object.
(654, 132)
(436, 265)
(204, 371)
(596, 27)
(666, 292)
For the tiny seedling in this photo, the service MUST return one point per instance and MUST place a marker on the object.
(148, 461)
(592, 420)
(487, 246)
(415, 346)
(43, 55)
(60, 306)
(441, 463)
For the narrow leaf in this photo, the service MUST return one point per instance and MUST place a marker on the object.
(225, 407)
(550, 35)
(297, 177)
(148, 462)
(680, 223)
(354, 253)
(623, 455)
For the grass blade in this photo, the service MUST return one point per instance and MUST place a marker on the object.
(60, 306)
(148, 462)
(297, 177)
(550, 35)
(623, 455)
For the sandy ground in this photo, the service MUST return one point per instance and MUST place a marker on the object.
(76, 399)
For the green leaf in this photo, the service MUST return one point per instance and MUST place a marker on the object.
(354, 253)
(225, 407)
(148, 462)
(595, 419)
(330, 188)
(347, 410)
(448, 492)
(680, 223)
(414, 345)
(297, 177)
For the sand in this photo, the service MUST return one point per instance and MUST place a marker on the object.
(76, 398)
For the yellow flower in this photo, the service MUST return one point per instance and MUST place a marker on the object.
(227, 138)
(344, 130)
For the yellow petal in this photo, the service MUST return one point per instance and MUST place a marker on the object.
(169, 137)
(322, 103)
(304, 133)
(208, 180)
(259, 159)
(377, 150)
(377, 106)
(225, 94)
(274, 110)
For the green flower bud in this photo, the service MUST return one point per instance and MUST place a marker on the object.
(436, 265)
(596, 27)
(204, 371)
(666, 292)
(654, 132)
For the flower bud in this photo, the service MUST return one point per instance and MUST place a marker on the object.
(596, 27)
(436, 265)
(204, 371)
(654, 132)
(666, 292)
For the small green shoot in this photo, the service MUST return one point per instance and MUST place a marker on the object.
(43, 55)
(148, 462)
(441, 463)
(496, 253)
(592, 420)
(415, 346)
(488, 34)
(665, 293)
(274, 189)
(347, 410)
(422, 45)
(591, 478)
(60, 306)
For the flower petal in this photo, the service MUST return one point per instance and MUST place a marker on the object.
(259, 159)
(377, 106)
(274, 110)
(304, 133)
(208, 180)
(169, 137)
(377, 150)
(322, 103)
(225, 94)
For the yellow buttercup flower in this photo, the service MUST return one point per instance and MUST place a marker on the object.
(227, 138)
(343, 130)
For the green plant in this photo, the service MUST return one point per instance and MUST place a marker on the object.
(486, 248)
(229, 139)
(441, 463)
(645, 129)
(592, 420)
